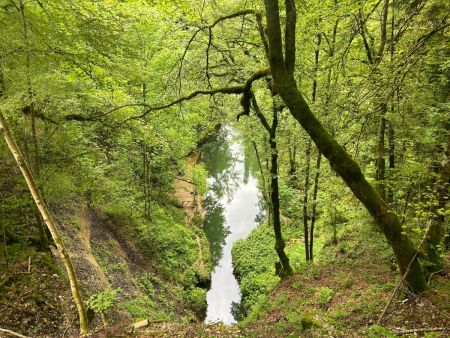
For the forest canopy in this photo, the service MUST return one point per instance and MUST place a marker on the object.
(106, 107)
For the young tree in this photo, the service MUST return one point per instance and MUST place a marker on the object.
(271, 129)
(40, 203)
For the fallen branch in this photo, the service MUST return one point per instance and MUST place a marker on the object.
(419, 330)
(144, 323)
(13, 333)
(432, 274)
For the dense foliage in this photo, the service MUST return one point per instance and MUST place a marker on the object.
(109, 99)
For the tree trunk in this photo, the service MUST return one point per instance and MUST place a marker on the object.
(305, 197)
(49, 221)
(314, 207)
(146, 187)
(283, 267)
(309, 241)
(279, 241)
(381, 162)
(436, 232)
(340, 160)
(293, 166)
(391, 133)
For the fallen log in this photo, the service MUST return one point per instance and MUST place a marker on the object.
(144, 323)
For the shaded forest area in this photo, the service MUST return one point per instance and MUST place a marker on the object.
(105, 107)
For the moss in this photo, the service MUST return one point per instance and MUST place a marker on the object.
(308, 322)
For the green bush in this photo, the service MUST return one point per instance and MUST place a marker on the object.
(324, 295)
(103, 301)
(196, 300)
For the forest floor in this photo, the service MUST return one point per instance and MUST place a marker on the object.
(341, 295)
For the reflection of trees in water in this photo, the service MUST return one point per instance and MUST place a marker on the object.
(214, 227)
(237, 311)
(224, 164)
(250, 162)
(221, 164)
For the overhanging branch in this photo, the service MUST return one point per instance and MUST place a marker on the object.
(242, 89)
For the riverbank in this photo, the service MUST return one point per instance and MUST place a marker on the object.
(185, 192)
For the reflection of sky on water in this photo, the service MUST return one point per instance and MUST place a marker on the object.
(231, 206)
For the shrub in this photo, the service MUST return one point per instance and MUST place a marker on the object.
(324, 296)
(102, 302)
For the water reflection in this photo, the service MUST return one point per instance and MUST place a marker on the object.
(231, 207)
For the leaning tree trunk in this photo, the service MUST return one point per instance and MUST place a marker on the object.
(341, 162)
(49, 221)
(436, 232)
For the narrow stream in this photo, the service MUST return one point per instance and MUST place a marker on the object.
(232, 207)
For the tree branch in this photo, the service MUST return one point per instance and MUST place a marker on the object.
(242, 89)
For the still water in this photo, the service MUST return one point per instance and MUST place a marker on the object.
(232, 208)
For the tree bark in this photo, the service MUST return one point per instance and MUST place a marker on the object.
(383, 30)
(49, 222)
(340, 160)
(391, 133)
(293, 165)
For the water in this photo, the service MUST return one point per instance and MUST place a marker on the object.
(231, 206)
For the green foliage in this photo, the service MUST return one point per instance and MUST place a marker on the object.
(200, 175)
(254, 264)
(139, 308)
(89, 70)
(377, 331)
(195, 299)
(104, 300)
(171, 245)
(324, 295)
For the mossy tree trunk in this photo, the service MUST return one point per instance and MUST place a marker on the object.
(49, 222)
(436, 233)
(341, 162)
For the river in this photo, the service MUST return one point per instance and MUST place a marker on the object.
(232, 208)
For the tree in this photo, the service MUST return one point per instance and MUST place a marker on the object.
(282, 70)
(82, 315)
(285, 267)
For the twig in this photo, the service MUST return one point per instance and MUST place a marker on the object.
(29, 264)
(432, 274)
(13, 333)
(419, 330)
(400, 283)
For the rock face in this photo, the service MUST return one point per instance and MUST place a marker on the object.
(185, 190)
